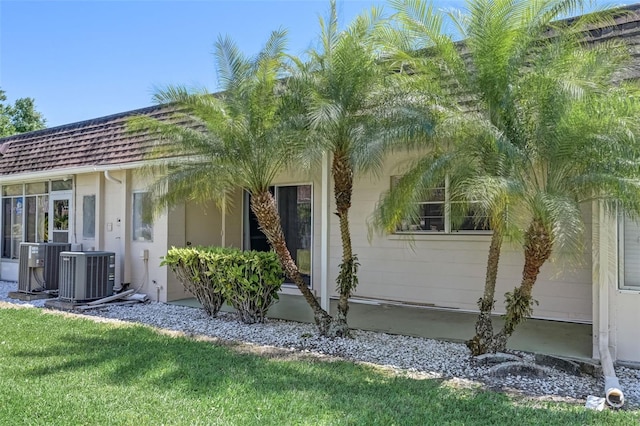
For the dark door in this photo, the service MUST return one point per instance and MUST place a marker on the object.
(294, 207)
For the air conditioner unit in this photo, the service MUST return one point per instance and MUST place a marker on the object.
(86, 275)
(38, 266)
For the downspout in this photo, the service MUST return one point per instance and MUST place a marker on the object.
(223, 225)
(110, 178)
(324, 234)
(612, 391)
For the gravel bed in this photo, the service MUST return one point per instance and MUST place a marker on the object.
(409, 355)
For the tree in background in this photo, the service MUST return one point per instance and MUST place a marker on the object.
(21, 117)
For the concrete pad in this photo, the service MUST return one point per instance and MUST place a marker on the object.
(549, 337)
(61, 305)
(27, 297)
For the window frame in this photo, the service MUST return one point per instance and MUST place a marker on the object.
(622, 220)
(28, 192)
(134, 219)
(84, 216)
(274, 191)
(446, 216)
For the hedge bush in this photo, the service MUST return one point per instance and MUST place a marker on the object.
(248, 280)
(186, 264)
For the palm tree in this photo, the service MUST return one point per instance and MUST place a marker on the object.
(240, 137)
(546, 101)
(466, 149)
(353, 114)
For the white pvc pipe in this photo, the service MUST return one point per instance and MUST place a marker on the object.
(612, 390)
(223, 226)
(324, 234)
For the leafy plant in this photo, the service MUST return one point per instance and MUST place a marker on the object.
(248, 280)
(192, 273)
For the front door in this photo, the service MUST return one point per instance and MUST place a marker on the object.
(60, 217)
(294, 207)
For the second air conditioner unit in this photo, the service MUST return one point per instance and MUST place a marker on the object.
(86, 275)
(38, 266)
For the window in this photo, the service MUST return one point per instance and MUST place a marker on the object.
(629, 246)
(37, 218)
(11, 226)
(25, 216)
(142, 217)
(62, 185)
(437, 213)
(89, 216)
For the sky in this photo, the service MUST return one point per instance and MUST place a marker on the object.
(86, 59)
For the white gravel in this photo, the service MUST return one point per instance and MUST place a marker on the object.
(423, 357)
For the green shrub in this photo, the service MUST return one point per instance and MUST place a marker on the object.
(187, 265)
(248, 280)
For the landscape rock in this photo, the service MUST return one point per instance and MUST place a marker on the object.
(496, 358)
(592, 368)
(559, 363)
(518, 369)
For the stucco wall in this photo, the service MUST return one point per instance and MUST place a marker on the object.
(114, 216)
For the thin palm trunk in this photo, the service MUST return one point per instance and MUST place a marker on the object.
(264, 207)
(480, 343)
(347, 278)
(537, 249)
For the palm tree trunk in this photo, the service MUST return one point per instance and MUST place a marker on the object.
(264, 207)
(479, 344)
(537, 249)
(347, 278)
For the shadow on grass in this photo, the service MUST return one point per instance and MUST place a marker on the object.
(330, 392)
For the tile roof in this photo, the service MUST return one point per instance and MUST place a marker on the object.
(98, 142)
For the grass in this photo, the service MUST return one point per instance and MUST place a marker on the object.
(57, 370)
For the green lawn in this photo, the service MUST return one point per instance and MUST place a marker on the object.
(56, 370)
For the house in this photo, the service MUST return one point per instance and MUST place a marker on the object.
(81, 183)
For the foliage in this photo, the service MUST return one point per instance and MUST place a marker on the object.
(240, 138)
(20, 117)
(67, 370)
(248, 280)
(534, 126)
(353, 113)
(236, 138)
(192, 272)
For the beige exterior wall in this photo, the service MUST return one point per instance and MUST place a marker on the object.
(616, 312)
(86, 185)
(625, 305)
(114, 216)
(440, 270)
(203, 223)
(447, 270)
(200, 224)
(195, 223)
